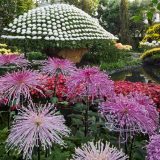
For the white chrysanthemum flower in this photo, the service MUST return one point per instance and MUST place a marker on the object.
(98, 151)
(36, 125)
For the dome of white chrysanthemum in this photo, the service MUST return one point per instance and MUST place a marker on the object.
(58, 22)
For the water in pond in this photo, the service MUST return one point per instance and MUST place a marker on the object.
(140, 74)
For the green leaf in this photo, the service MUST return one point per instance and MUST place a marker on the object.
(3, 135)
(59, 154)
(77, 122)
(155, 1)
(158, 6)
(136, 18)
(94, 114)
(150, 15)
(79, 107)
(77, 116)
(54, 100)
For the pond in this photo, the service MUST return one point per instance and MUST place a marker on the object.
(145, 73)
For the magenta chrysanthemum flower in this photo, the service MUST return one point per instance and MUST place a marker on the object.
(153, 148)
(17, 85)
(130, 114)
(36, 126)
(90, 82)
(56, 65)
(14, 59)
(98, 151)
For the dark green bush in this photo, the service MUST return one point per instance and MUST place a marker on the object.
(36, 56)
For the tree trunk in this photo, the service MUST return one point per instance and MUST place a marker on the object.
(124, 20)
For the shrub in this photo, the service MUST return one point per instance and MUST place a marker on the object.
(152, 37)
(150, 53)
(35, 56)
(5, 49)
(153, 33)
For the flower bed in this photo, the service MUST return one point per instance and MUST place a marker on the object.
(152, 90)
(45, 106)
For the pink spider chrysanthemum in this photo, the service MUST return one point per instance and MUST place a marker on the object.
(148, 103)
(130, 114)
(90, 82)
(13, 59)
(98, 151)
(55, 65)
(153, 148)
(16, 86)
(36, 126)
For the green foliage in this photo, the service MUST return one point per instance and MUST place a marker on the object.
(36, 56)
(136, 14)
(59, 154)
(23, 6)
(108, 57)
(39, 45)
(89, 6)
(120, 64)
(108, 15)
(9, 9)
(106, 52)
(149, 7)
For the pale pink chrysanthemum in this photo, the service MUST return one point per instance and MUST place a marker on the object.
(16, 86)
(129, 114)
(153, 148)
(36, 126)
(13, 59)
(98, 151)
(90, 82)
(56, 65)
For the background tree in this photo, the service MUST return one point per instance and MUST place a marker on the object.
(124, 22)
(9, 9)
(108, 15)
(89, 6)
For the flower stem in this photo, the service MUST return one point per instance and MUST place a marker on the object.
(39, 150)
(119, 140)
(126, 140)
(131, 148)
(86, 116)
(8, 119)
(86, 122)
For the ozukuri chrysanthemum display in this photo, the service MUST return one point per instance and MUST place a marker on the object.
(57, 23)
(36, 126)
